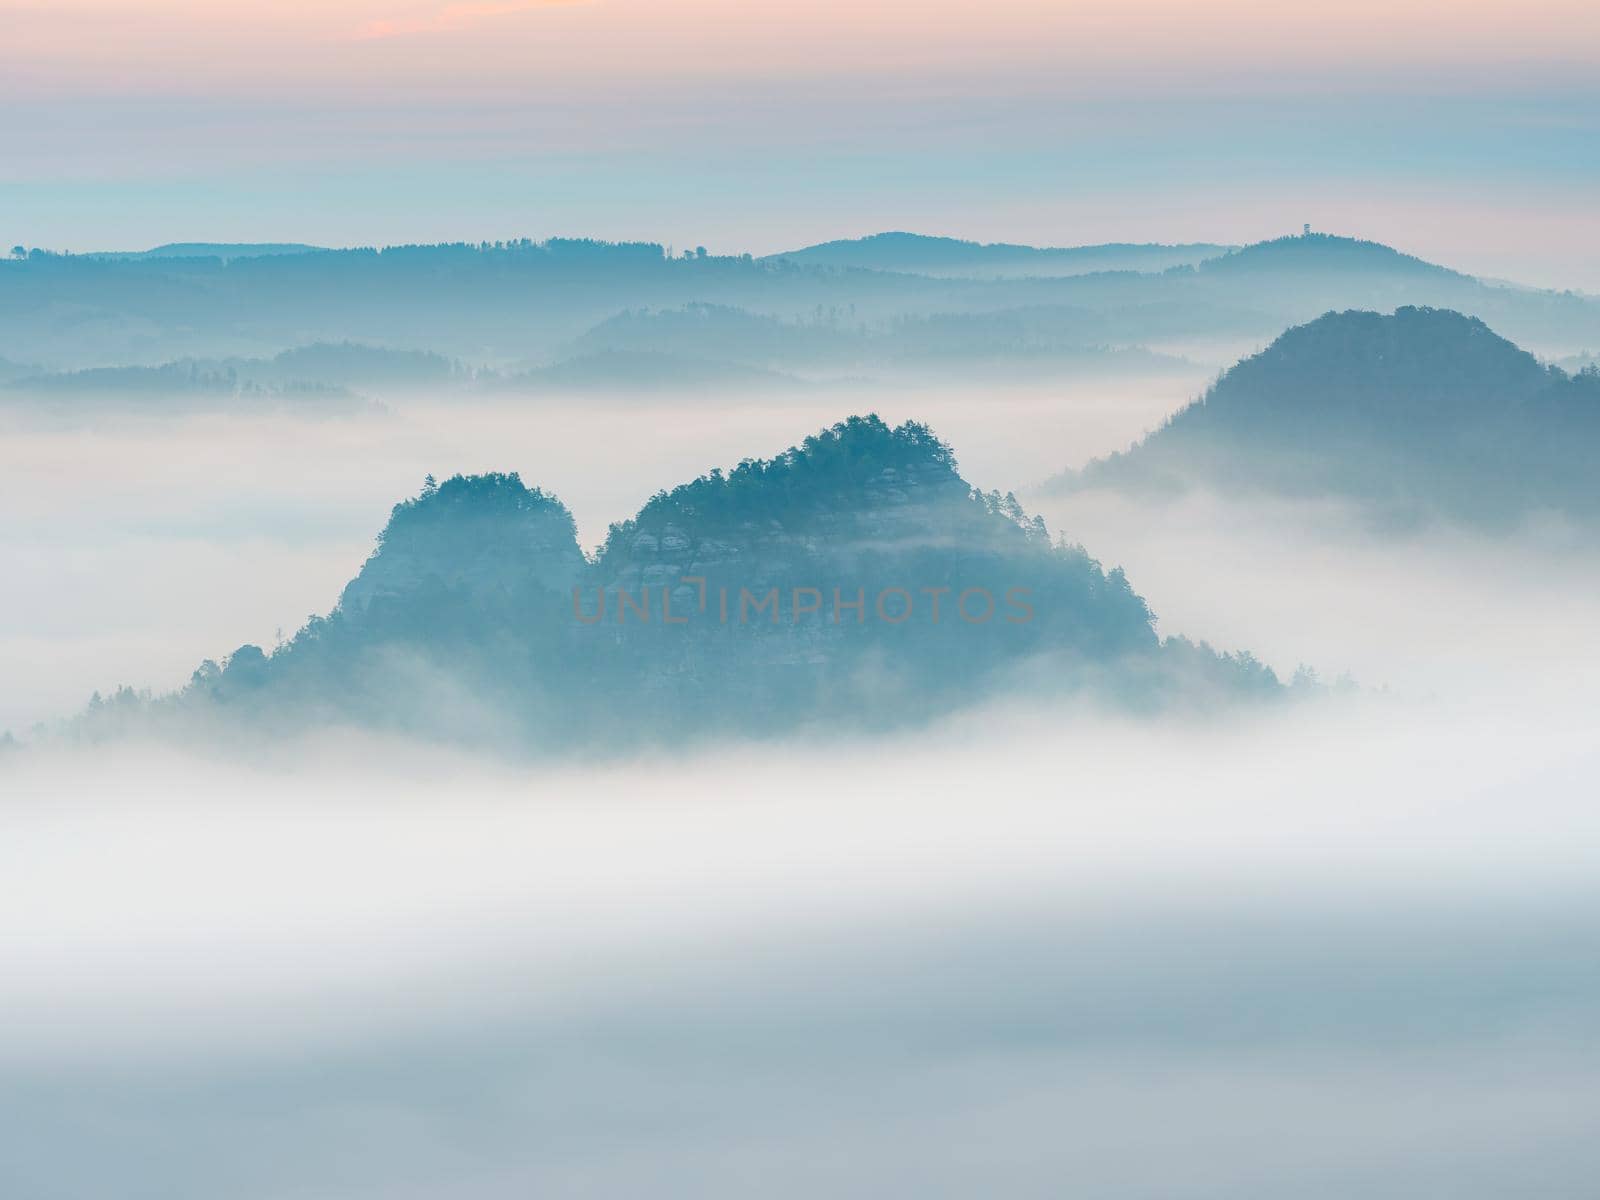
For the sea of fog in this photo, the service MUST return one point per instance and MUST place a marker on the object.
(1347, 947)
(1352, 948)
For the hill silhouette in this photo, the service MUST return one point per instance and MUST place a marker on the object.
(854, 582)
(350, 364)
(319, 377)
(637, 371)
(989, 344)
(923, 255)
(218, 250)
(1324, 253)
(1422, 410)
(173, 389)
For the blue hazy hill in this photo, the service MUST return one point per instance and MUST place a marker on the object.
(351, 364)
(1423, 410)
(321, 375)
(218, 250)
(643, 371)
(173, 389)
(990, 344)
(1325, 254)
(923, 255)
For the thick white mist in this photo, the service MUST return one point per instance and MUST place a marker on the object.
(188, 889)
(1026, 946)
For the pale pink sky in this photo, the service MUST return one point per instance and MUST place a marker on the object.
(1466, 131)
(177, 44)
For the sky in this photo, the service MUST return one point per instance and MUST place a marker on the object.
(1465, 132)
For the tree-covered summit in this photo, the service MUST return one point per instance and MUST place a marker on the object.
(1419, 411)
(1377, 368)
(468, 498)
(481, 532)
(850, 470)
(853, 581)
(1324, 252)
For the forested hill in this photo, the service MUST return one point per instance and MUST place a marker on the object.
(1422, 409)
(1395, 376)
(923, 255)
(1325, 254)
(217, 250)
(853, 582)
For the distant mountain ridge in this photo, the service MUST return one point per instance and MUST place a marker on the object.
(1422, 410)
(319, 372)
(222, 250)
(922, 254)
(642, 371)
(988, 345)
(506, 305)
(1327, 252)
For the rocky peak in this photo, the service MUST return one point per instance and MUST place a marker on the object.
(481, 532)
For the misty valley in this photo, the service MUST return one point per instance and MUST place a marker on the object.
(900, 716)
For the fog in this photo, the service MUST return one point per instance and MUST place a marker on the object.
(1428, 611)
(1310, 952)
(1344, 946)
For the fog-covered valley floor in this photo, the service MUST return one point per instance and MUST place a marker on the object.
(1346, 946)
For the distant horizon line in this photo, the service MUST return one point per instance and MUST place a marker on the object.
(267, 246)
(228, 251)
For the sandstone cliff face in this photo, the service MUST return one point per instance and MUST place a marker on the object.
(484, 535)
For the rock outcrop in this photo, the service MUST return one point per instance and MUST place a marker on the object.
(855, 581)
